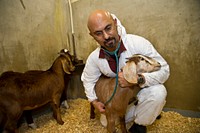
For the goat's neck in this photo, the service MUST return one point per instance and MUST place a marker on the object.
(57, 68)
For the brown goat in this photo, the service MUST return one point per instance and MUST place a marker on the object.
(116, 108)
(33, 89)
(63, 101)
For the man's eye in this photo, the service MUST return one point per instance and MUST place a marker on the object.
(108, 28)
(98, 33)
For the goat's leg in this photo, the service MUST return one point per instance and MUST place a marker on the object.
(123, 124)
(63, 99)
(11, 125)
(111, 122)
(92, 113)
(28, 116)
(29, 119)
(56, 113)
(10, 130)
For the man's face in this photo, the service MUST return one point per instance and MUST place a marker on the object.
(104, 31)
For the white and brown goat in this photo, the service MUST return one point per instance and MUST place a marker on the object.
(33, 89)
(116, 108)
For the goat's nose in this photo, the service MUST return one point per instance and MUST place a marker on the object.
(159, 64)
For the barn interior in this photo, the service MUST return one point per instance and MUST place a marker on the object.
(33, 32)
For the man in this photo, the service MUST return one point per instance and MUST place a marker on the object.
(107, 30)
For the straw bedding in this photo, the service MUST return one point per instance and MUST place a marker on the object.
(77, 120)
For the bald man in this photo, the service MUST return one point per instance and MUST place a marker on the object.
(111, 36)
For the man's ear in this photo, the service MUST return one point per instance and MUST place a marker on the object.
(115, 21)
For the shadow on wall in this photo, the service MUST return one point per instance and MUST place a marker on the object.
(16, 59)
(75, 88)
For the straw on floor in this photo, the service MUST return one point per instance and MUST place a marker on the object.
(77, 120)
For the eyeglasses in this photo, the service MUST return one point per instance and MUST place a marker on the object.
(105, 32)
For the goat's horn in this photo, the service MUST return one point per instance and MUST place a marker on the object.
(146, 58)
(142, 56)
(63, 51)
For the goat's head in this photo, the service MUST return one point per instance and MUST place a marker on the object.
(67, 64)
(139, 64)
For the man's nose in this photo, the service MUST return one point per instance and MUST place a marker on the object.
(105, 35)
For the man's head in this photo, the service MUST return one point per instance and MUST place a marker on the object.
(103, 28)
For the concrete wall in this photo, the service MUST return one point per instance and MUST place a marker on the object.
(31, 37)
(32, 32)
(173, 27)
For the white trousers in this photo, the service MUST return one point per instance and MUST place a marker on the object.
(151, 101)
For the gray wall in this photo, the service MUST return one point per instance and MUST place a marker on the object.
(31, 37)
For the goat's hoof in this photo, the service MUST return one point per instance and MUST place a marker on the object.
(103, 120)
(92, 116)
(61, 122)
(64, 104)
(32, 125)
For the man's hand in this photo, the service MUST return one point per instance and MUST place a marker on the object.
(99, 106)
(122, 81)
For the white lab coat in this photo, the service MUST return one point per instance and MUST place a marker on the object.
(152, 91)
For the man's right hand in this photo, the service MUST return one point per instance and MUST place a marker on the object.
(99, 106)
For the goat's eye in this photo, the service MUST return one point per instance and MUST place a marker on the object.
(142, 58)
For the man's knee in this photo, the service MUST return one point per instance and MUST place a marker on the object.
(159, 93)
(150, 105)
(153, 93)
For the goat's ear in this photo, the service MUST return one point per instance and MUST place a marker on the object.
(65, 66)
(129, 72)
(133, 59)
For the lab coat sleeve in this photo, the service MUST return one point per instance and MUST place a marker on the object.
(89, 77)
(157, 77)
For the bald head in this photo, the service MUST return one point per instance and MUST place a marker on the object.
(103, 28)
(97, 17)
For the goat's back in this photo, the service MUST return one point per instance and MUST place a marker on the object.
(34, 87)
